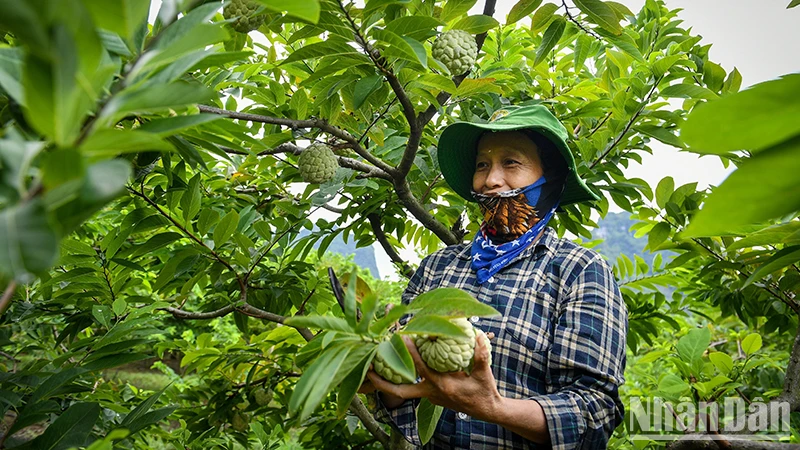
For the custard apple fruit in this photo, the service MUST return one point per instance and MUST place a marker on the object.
(244, 13)
(240, 422)
(262, 396)
(386, 372)
(457, 50)
(317, 163)
(447, 354)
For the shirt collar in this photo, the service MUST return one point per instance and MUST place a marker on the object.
(547, 241)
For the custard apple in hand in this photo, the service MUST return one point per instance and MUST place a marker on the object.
(244, 13)
(457, 50)
(317, 163)
(386, 372)
(448, 354)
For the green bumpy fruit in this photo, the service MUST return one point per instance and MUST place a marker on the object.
(317, 163)
(244, 13)
(386, 372)
(447, 354)
(240, 422)
(262, 396)
(457, 50)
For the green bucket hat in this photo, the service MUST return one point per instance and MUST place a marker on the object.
(458, 146)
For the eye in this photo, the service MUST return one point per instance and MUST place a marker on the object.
(511, 162)
(481, 165)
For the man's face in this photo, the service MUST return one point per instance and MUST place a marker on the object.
(506, 160)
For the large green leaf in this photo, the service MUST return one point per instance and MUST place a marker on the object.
(777, 234)
(70, 429)
(764, 187)
(691, 347)
(225, 228)
(307, 10)
(521, 9)
(476, 24)
(779, 260)
(123, 17)
(395, 354)
(773, 116)
(11, 73)
(542, 16)
(450, 302)
(428, 416)
(683, 90)
(141, 409)
(28, 244)
(147, 99)
(601, 14)
(414, 27)
(322, 322)
(112, 142)
(353, 381)
(434, 326)
(550, 38)
(455, 8)
(398, 47)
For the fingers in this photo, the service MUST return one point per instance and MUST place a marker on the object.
(404, 391)
(482, 354)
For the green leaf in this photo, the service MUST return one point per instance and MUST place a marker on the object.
(364, 87)
(455, 8)
(419, 28)
(191, 198)
(673, 385)
(11, 73)
(111, 142)
(61, 166)
(331, 47)
(434, 326)
(307, 10)
(775, 234)
(390, 318)
(722, 361)
(793, 3)
(352, 382)
(145, 98)
(428, 416)
(398, 47)
(476, 24)
(28, 245)
(395, 353)
(151, 418)
(751, 343)
(664, 191)
(134, 419)
(601, 14)
(321, 322)
(662, 134)
(733, 83)
(167, 126)
(450, 302)
(773, 116)
(542, 16)
(764, 187)
(713, 75)
(582, 47)
(521, 9)
(662, 66)
(315, 381)
(70, 429)
(779, 260)
(225, 228)
(550, 39)
(473, 86)
(103, 315)
(119, 306)
(691, 347)
(657, 235)
(123, 17)
(688, 91)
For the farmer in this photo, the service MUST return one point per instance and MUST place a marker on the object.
(558, 353)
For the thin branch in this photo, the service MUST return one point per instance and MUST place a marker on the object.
(376, 119)
(576, 22)
(791, 383)
(628, 126)
(380, 235)
(5, 300)
(188, 315)
(319, 124)
(242, 283)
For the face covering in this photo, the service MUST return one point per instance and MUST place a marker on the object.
(512, 220)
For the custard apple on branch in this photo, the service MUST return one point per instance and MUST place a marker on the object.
(244, 11)
(317, 163)
(457, 50)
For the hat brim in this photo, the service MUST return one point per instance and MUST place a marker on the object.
(458, 146)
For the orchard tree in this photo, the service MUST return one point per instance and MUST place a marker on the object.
(158, 184)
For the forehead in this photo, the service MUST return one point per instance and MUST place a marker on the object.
(507, 141)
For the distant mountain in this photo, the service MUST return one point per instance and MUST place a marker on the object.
(617, 239)
(364, 256)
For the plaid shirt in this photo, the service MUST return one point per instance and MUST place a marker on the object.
(560, 341)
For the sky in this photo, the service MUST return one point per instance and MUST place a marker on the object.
(758, 37)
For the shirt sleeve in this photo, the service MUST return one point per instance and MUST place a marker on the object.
(586, 362)
(403, 418)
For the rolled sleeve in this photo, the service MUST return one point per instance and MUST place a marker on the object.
(586, 362)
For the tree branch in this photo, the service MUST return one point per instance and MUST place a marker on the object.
(377, 229)
(357, 407)
(5, 300)
(418, 211)
(791, 384)
(575, 21)
(319, 124)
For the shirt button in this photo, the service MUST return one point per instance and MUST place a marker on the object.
(492, 280)
(474, 319)
(462, 416)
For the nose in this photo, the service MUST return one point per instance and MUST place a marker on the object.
(495, 178)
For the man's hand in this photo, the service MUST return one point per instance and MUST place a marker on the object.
(475, 394)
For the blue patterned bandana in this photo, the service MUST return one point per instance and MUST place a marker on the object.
(512, 221)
